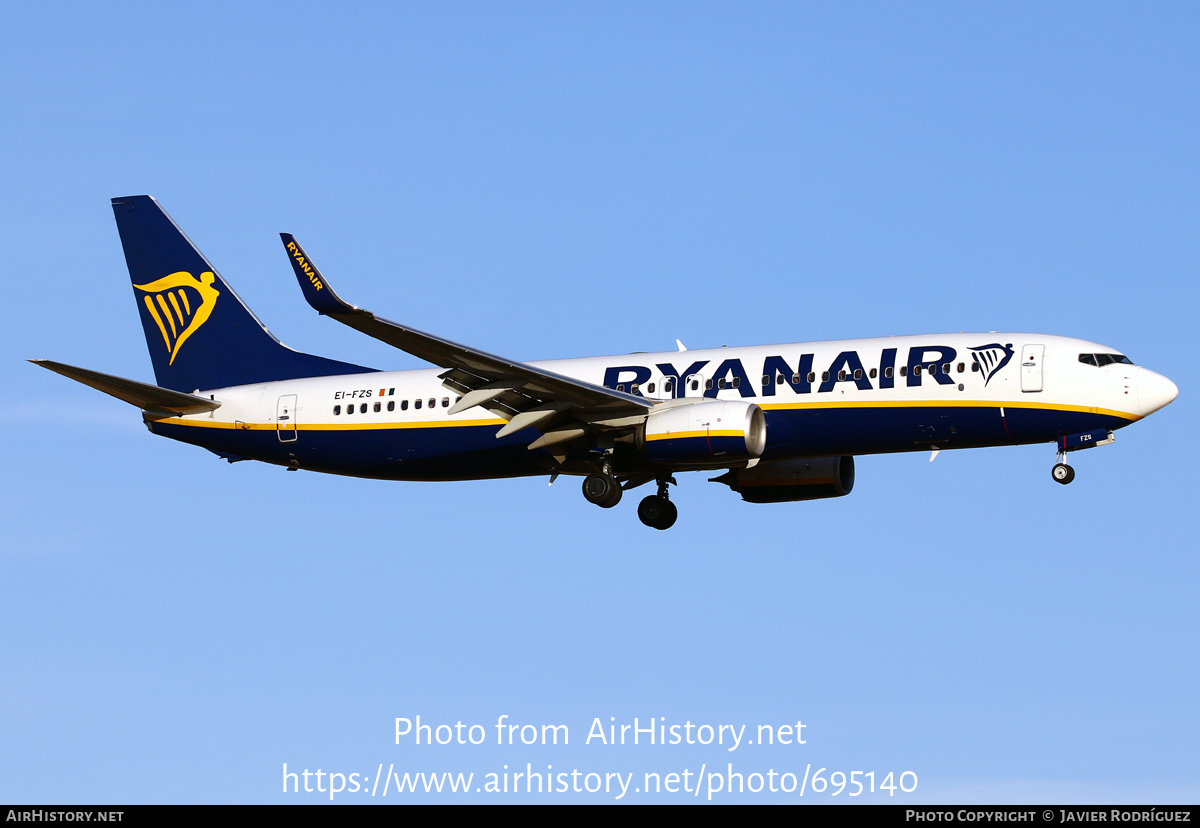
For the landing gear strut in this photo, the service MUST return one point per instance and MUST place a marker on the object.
(1062, 473)
(657, 511)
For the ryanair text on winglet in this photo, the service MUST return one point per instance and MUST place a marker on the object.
(304, 265)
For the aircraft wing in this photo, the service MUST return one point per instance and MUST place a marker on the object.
(517, 391)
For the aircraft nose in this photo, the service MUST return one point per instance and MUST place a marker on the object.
(1154, 391)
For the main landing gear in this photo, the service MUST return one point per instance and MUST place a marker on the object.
(657, 511)
(602, 488)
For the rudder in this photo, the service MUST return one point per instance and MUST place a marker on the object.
(200, 334)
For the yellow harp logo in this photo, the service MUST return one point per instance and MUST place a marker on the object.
(177, 314)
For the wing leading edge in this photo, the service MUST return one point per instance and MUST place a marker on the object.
(562, 408)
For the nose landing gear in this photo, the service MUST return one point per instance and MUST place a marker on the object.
(657, 511)
(1062, 473)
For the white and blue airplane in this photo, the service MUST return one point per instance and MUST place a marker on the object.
(783, 422)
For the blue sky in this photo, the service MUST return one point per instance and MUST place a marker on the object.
(549, 180)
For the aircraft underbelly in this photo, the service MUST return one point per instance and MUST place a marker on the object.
(473, 452)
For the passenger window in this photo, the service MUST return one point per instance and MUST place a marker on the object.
(872, 373)
(720, 383)
(404, 405)
(708, 384)
(795, 379)
(650, 388)
(945, 367)
(445, 402)
(974, 367)
(416, 404)
(667, 385)
(961, 367)
(391, 405)
(766, 380)
(432, 402)
(378, 407)
(887, 372)
(932, 368)
(824, 376)
(633, 389)
(362, 409)
(812, 376)
(737, 382)
(858, 373)
(337, 409)
(841, 376)
(916, 370)
(621, 387)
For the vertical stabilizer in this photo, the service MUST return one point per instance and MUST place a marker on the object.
(200, 334)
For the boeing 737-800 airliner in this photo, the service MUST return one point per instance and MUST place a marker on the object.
(782, 422)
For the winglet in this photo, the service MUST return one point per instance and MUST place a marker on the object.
(316, 290)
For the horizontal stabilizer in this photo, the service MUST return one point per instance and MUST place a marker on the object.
(141, 394)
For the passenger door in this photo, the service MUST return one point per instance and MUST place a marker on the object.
(1031, 367)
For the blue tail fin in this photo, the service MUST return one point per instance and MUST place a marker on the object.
(199, 332)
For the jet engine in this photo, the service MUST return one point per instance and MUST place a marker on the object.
(711, 434)
(788, 480)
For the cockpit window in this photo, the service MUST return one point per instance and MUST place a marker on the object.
(1104, 359)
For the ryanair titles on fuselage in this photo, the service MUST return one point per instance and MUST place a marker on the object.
(940, 362)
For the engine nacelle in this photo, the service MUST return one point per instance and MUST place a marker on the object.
(709, 434)
(789, 480)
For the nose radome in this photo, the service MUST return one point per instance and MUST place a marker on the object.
(1154, 391)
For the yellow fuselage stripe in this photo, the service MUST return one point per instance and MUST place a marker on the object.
(682, 435)
(1084, 409)
(497, 421)
(331, 426)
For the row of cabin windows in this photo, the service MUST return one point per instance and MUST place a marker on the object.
(842, 376)
(391, 405)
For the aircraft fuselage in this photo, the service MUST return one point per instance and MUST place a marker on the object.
(848, 397)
